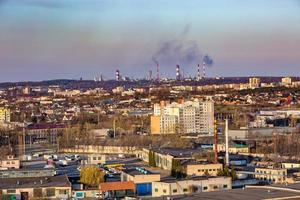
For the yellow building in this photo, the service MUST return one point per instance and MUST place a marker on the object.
(4, 115)
(254, 82)
(202, 169)
(155, 124)
(286, 81)
(271, 175)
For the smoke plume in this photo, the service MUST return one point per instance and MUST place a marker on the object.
(181, 51)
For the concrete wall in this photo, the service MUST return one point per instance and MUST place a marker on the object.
(200, 169)
(94, 149)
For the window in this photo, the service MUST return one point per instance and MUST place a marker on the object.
(63, 192)
(215, 187)
(94, 158)
(37, 192)
(156, 190)
(164, 191)
(204, 188)
(50, 192)
(11, 191)
(185, 189)
(224, 186)
(175, 191)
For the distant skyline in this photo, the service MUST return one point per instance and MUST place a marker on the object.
(54, 39)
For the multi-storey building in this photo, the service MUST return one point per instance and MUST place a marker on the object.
(286, 81)
(186, 117)
(271, 175)
(254, 82)
(4, 115)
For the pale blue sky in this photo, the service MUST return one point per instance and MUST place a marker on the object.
(48, 39)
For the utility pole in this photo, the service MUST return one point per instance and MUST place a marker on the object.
(114, 126)
(216, 141)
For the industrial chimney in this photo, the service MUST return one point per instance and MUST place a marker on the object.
(118, 75)
(226, 143)
(178, 73)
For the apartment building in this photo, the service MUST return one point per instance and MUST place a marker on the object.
(254, 82)
(286, 81)
(190, 186)
(185, 117)
(4, 115)
(271, 175)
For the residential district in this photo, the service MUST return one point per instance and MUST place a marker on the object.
(183, 138)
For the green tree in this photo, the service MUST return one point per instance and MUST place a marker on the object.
(152, 161)
(177, 169)
(91, 176)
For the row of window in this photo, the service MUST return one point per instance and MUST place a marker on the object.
(195, 189)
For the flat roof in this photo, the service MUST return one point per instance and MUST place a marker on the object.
(34, 182)
(134, 171)
(237, 194)
(176, 152)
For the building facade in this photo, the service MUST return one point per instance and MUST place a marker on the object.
(190, 186)
(4, 115)
(271, 175)
(186, 117)
(254, 82)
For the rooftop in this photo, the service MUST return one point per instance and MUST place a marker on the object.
(121, 185)
(237, 194)
(176, 152)
(34, 182)
(137, 171)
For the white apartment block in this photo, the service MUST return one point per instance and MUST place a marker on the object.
(188, 117)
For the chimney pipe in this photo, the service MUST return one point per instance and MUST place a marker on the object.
(226, 143)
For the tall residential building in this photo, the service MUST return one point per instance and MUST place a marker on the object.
(4, 115)
(286, 81)
(187, 117)
(254, 82)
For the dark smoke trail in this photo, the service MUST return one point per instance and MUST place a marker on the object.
(208, 60)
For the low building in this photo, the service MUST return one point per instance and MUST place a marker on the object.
(290, 165)
(23, 173)
(38, 187)
(142, 179)
(10, 163)
(233, 148)
(95, 159)
(190, 186)
(202, 169)
(271, 175)
(111, 190)
(164, 156)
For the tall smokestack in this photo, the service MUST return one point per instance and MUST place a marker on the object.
(157, 72)
(226, 143)
(198, 73)
(150, 75)
(178, 73)
(118, 75)
(203, 69)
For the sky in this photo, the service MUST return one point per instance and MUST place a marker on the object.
(54, 39)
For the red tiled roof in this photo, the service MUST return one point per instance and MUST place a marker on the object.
(112, 186)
